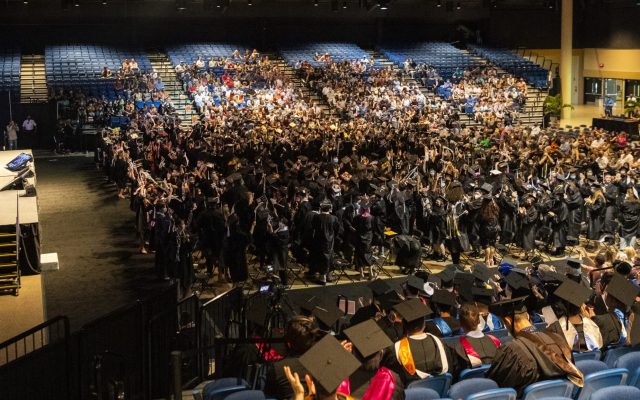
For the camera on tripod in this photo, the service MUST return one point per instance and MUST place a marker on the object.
(272, 288)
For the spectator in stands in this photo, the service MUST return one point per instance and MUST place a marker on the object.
(11, 136)
(133, 65)
(106, 72)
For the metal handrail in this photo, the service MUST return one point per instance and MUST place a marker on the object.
(22, 341)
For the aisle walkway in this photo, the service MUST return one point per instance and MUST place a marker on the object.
(92, 232)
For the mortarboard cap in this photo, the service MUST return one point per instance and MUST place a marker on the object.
(517, 281)
(309, 305)
(486, 187)
(434, 279)
(552, 277)
(622, 289)
(447, 275)
(481, 272)
(507, 308)
(462, 277)
(329, 363)
(389, 300)
(379, 287)
(444, 297)
(573, 292)
(368, 338)
(412, 310)
(482, 295)
(328, 314)
(574, 262)
(465, 291)
(415, 283)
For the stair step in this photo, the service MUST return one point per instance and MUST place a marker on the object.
(3, 265)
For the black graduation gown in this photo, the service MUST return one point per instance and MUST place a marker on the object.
(521, 362)
(393, 330)
(507, 219)
(277, 385)
(529, 228)
(278, 249)
(596, 213)
(325, 229)
(483, 346)
(559, 224)
(610, 328)
(574, 204)
(363, 239)
(611, 194)
(162, 235)
(235, 246)
(629, 219)
(378, 211)
(426, 358)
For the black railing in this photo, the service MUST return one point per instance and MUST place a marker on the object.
(50, 332)
(37, 362)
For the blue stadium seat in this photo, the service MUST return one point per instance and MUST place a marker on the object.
(246, 395)
(590, 366)
(463, 389)
(611, 355)
(617, 393)
(631, 362)
(587, 355)
(220, 388)
(546, 389)
(421, 394)
(477, 372)
(439, 383)
(494, 394)
(602, 379)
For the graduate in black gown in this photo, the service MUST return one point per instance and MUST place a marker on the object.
(575, 203)
(611, 193)
(629, 218)
(475, 347)
(596, 208)
(363, 225)
(326, 228)
(612, 324)
(419, 354)
(558, 217)
(533, 356)
(445, 322)
(528, 219)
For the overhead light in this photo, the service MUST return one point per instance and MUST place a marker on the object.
(458, 6)
(344, 4)
(383, 5)
(439, 3)
(104, 2)
(315, 3)
(25, 2)
(76, 3)
(181, 5)
(249, 2)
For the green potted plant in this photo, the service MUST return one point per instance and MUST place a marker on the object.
(553, 106)
(631, 106)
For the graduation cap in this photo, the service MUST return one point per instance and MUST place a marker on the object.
(415, 283)
(368, 338)
(345, 160)
(328, 314)
(482, 295)
(574, 262)
(509, 308)
(234, 177)
(447, 275)
(309, 305)
(444, 298)
(463, 277)
(434, 279)
(481, 272)
(329, 363)
(486, 187)
(517, 281)
(412, 310)
(389, 300)
(623, 290)
(465, 291)
(548, 276)
(573, 292)
(379, 287)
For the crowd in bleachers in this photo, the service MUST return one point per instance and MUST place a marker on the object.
(513, 63)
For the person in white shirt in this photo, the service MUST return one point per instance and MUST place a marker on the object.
(11, 133)
(29, 128)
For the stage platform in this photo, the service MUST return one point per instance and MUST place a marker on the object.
(28, 206)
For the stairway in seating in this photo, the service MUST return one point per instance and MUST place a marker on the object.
(290, 73)
(9, 272)
(33, 81)
(384, 62)
(184, 106)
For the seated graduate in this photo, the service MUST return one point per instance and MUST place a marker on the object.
(371, 380)
(580, 332)
(444, 324)
(418, 354)
(483, 298)
(532, 356)
(619, 295)
(380, 309)
(300, 335)
(329, 365)
(475, 347)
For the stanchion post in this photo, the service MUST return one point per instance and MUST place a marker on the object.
(176, 369)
